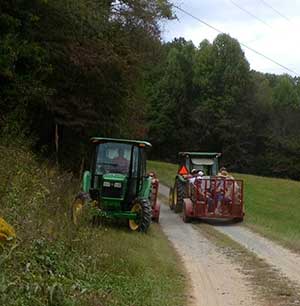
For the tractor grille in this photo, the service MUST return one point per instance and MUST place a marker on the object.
(112, 192)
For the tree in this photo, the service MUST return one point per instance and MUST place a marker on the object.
(23, 66)
(80, 64)
(172, 100)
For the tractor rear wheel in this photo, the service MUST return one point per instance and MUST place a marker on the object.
(171, 198)
(178, 196)
(143, 221)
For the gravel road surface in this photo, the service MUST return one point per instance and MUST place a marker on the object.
(285, 261)
(215, 280)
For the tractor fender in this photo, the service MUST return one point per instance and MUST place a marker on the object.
(180, 178)
(188, 207)
(86, 182)
(145, 193)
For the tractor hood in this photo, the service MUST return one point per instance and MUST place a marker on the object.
(114, 177)
(113, 187)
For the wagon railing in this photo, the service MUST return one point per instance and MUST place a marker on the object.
(219, 197)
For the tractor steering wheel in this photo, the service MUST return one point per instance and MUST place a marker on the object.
(103, 170)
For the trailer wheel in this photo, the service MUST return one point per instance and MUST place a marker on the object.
(238, 220)
(143, 210)
(178, 196)
(185, 218)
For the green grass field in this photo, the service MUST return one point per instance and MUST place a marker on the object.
(272, 205)
(56, 264)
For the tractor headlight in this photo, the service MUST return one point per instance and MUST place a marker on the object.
(118, 185)
(106, 184)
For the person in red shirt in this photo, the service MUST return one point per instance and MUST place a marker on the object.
(121, 161)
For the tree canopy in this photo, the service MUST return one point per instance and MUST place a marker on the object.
(74, 69)
(216, 103)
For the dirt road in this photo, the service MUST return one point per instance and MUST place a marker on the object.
(280, 258)
(215, 280)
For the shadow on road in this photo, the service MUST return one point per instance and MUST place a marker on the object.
(216, 222)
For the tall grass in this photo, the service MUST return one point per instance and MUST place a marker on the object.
(272, 205)
(54, 263)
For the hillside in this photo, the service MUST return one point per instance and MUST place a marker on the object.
(54, 263)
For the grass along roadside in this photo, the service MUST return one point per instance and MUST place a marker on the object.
(272, 205)
(166, 172)
(54, 263)
(269, 285)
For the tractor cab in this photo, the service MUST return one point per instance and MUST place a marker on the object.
(189, 161)
(118, 183)
(118, 171)
(205, 195)
(207, 162)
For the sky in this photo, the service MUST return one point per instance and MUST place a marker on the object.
(273, 33)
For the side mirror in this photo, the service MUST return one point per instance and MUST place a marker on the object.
(86, 181)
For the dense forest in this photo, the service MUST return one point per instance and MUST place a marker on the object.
(72, 69)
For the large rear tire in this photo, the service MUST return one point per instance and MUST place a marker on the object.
(179, 192)
(143, 209)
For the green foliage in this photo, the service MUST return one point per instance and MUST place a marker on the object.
(207, 99)
(77, 65)
(54, 263)
(23, 66)
(74, 69)
(285, 93)
(172, 97)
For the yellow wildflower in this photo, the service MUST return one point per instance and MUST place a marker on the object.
(7, 232)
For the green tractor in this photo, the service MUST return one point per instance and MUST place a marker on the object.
(118, 185)
(189, 161)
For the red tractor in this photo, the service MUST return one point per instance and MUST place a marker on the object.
(201, 191)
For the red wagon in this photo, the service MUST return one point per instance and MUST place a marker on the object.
(154, 193)
(215, 197)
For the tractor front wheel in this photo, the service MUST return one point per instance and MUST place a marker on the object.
(143, 210)
(77, 209)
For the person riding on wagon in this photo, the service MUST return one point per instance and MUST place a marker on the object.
(224, 188)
